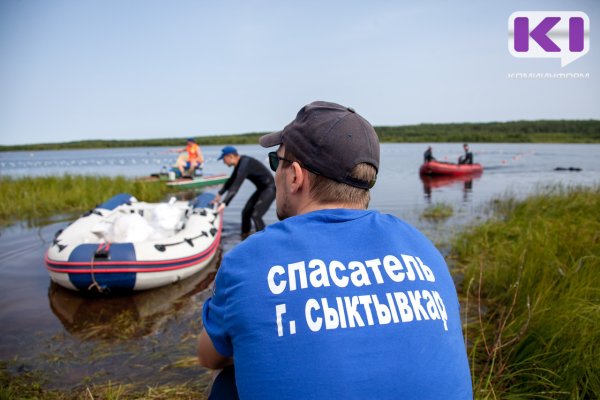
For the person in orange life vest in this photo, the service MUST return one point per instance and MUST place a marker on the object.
(194, 158)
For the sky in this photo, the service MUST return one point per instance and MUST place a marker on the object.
(138, 69)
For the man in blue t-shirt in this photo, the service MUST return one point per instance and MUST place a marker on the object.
(334, 301)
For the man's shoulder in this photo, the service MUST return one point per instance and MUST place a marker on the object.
(247, 161)
(254, 247)
(247, 158)
(387, 219)
(393, 225)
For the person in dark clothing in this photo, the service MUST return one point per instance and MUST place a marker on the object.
(428, 155)
(258, 204)
(468, 157)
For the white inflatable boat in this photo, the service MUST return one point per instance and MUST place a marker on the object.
(125, 245)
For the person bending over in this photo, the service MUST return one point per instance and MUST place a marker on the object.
(246, 167)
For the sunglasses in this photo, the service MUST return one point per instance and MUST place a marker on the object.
(274, 160)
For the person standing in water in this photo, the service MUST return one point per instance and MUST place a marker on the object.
(246, 167)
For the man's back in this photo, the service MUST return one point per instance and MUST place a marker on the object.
(339, 304)
(251, 169)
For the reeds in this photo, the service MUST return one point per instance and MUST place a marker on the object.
(38, 197)
(531, 295)
(438, 212)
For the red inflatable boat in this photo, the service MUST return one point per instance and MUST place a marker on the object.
(443, 168)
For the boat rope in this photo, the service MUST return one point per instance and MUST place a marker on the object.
(163, 247)
(103, 248)
(211, 232)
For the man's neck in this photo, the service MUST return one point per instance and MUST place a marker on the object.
(315, 206)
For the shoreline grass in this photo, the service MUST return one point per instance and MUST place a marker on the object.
(31, 385)
(438, 212)
(38, 197)
(531, 295)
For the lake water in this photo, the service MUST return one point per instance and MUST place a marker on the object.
(150, 338)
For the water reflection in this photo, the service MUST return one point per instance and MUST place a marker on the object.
(431, 182)
(93, 317)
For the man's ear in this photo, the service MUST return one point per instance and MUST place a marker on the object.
(298, 177)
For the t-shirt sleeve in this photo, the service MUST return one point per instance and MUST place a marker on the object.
(214, 317)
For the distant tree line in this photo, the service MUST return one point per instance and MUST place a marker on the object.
(542, 131)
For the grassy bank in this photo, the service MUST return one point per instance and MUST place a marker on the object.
(31, 198)
(530, 293)
(532, 297)
(559, 131)
(29, 385)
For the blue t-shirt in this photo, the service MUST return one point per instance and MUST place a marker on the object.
(339, 304)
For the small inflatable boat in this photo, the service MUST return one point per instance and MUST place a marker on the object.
(444, 168)
(124, 244)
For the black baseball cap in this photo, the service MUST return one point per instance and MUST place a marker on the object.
(330, 140)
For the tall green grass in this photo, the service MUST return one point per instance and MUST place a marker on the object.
(531, 294)
(37, 197)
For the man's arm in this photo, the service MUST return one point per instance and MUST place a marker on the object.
(229, 182)
(209, 356)
(241, 171)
